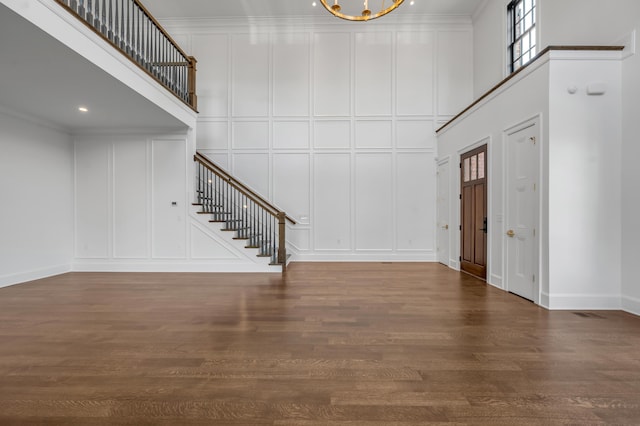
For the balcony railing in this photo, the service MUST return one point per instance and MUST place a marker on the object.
(129, 27)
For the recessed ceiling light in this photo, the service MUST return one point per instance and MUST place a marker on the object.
(83, 109)
(412, 3)
(313, 4)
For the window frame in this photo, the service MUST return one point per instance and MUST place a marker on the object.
(512, 39)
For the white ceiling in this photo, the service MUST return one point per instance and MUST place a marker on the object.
(43, 79)
(164, 9)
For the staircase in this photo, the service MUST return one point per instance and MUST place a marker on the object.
(238, 210)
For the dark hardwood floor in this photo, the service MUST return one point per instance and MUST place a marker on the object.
(327, 344)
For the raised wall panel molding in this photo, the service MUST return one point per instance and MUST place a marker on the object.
(323, 97)
(331, 84)
(291, 74)
(213, 93)
(250, 134)
(414, 134)
(332, 134)
(92, 200)
(291, 135)
(250, 75)
(252, 169)
(373, 79)
(129, 181)
(374, 201)
(213, 135)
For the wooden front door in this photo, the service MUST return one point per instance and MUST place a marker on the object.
(473, 212)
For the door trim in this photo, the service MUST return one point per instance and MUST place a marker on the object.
(538, 260)
(492, 278)
(440, 162)
(469, 209)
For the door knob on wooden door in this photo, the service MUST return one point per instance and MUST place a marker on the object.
(510, 233)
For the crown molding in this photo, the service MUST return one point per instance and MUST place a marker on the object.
(274, 23)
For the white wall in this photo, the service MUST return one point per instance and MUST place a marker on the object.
(584, 182)
(486, 123)
(334, 123)
(585, 22)
(631, 172)
(566, 22)
(489, 45)
(605, 23)
(133, 209)
(580, 236)
(36, 217)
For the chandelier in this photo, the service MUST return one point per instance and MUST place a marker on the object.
(354, 14)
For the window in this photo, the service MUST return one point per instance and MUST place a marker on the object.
(473, 168)
(522, 32)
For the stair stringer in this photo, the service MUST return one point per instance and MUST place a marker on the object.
(239, 258)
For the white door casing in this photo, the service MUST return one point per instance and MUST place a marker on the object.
(442, 211)
(522, 201)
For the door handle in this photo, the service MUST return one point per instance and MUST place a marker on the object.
(446, 227)
(484, 226)
(510, 233)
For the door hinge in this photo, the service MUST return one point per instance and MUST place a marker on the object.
(534, 232)
(534, 278)
(461, 227)
(460, 196)
(459, 258)
(460, 164)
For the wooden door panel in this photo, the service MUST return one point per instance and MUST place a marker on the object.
(473, 212)
(480, 243)
(467, 224)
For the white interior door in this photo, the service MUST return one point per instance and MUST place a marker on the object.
(523, 161)
(442, 202)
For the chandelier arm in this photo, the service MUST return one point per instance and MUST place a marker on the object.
(367, 15)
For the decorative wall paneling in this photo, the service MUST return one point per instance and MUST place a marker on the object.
(336, 124)
(133, 210)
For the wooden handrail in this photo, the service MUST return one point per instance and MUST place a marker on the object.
(140, 40)
(242, 188)
(522, 68)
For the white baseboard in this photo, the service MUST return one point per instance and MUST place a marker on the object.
(95, 265)
(364, 257)
(581, 301)
(544, 300)
(22, 277)
(496, 281)
(631, 305)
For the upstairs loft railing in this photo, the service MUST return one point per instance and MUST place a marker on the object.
(241, 210)
(129, 27)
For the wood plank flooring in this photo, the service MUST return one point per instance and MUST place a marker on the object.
(325, 344)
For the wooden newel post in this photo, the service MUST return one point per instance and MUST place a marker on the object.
(193, 98)
(282, 250)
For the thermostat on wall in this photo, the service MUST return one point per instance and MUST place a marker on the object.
(596, 89)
